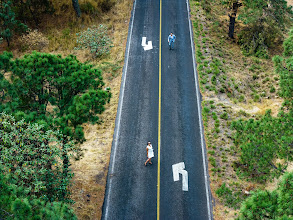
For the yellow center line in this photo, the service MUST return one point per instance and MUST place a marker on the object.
(159, 114)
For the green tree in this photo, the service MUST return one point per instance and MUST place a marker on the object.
(284, 67)
(34, 156)
(264, 21)
(270, 205)
(17, 203)
(263, 141)
(60, 93)
(32, 10)
(8, 22)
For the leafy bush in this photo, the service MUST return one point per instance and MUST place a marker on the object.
(283, 66)
(212, 161)
(206, 5)
(241, 98)
(254, 42)
(87, 8)
(288, 45)
(231, 198)
(224, 116)
(270, 205)
(95, 39)
(17, 203)
(35, 157)
(106, 5)
(265, 21)
(33, 10)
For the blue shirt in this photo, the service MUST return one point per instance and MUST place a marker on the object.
(171, 38)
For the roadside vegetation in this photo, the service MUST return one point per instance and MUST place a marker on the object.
(244, 61)
(60, 70)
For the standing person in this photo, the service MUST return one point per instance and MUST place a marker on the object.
(150, 153)
(171, 40)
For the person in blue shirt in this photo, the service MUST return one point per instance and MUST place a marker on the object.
(171, 40)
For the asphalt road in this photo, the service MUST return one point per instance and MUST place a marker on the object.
(131, 191)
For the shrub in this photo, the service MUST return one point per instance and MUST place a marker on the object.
(253, 42)
(241, 98)
(87, 8)
(264, 204)
(16, 203)
(214, 80)
(272, 90)
(224, 116)
(36, 158)
(229, 197)
(206, 109)
(106, 5)
(256, 98)
(95, 39)
(212, 161)
(215, 117)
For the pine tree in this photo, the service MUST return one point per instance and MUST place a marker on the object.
(263, 141)
(264, 21)
(264, 204)
(284, 67)
(59, 93)
(9, 23)
(32, 10)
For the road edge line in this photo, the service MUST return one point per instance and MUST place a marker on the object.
(159, 116)
(118, 118)
(199, 117)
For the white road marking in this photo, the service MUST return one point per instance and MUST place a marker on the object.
(199, 117)
(117, 131)
(145, 46)
(179, 168)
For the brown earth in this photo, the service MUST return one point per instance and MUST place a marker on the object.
(91, 171)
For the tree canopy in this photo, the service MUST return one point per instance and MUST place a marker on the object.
(284, 67)
(263, 141)
(8, 22)
(17, 203)
(34, 156)
(264, 204)
(60, 93)
(264, 21)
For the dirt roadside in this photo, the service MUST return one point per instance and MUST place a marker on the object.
(90, 172)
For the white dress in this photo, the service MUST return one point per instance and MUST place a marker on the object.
(150, 151)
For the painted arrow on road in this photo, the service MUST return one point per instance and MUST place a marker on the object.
(145, 46)
(179, 168)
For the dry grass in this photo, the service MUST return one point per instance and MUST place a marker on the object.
(290, 2)
(90, 171)
(252, 76)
